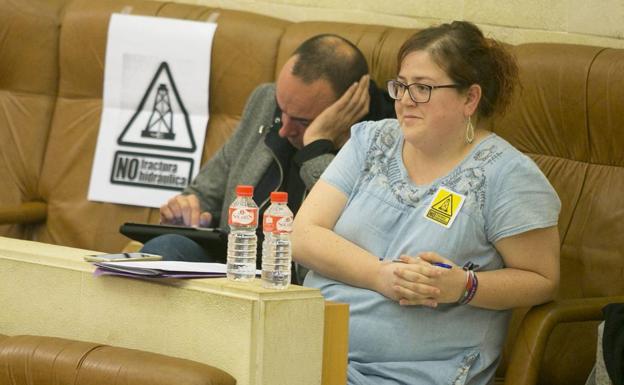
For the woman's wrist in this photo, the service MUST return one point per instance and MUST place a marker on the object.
(470, 286)
(377, 278)
(381, 279)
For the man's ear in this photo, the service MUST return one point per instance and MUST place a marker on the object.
(473, 97)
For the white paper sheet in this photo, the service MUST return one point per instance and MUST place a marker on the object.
(155, 109)
(163, 269)
(179, 266)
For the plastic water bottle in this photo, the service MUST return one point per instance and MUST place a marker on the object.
(268, 225)
(267, 229)
(276, 248)
(242, 240)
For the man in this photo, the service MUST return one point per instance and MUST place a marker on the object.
(289, 133)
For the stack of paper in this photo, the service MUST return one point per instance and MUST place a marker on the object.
(162, 269)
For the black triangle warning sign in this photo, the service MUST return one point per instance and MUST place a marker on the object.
(444, 205)
(161, 120)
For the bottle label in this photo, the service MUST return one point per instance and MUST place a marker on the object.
(243, 216)
(268, 224)
(283, 225)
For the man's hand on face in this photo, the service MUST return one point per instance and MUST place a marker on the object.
(336, 120)
(184, 210)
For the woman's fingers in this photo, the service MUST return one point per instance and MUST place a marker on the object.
(410, 298)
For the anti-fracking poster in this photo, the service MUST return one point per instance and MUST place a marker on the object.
(155, 109)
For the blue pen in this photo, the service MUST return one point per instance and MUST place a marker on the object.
(444, 265)
(439, 264)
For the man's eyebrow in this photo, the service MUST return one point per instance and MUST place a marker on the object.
(298, 119)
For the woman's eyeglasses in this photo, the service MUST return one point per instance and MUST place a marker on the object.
(418, 92)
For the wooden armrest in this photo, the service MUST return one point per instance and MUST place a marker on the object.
(28, 212)
(335, 343)
(528, 349)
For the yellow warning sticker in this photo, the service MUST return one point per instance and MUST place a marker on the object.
(444, 207)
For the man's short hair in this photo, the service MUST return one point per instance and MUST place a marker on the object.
(332, 58)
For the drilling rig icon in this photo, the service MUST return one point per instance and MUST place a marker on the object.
(160, 124)
(154, 128)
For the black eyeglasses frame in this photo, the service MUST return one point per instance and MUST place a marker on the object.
(407, 87)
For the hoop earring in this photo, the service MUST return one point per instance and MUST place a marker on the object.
(469, 131)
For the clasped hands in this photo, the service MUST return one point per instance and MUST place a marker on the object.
(416, 281)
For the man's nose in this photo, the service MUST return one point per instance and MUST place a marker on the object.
(288, 128)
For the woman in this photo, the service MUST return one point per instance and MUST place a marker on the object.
(429, 226)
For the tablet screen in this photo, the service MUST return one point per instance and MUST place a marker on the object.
(213, 240)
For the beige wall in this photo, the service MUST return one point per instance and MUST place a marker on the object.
(591, 22)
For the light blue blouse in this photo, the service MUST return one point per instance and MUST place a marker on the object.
(506, 194)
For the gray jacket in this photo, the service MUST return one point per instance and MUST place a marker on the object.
(244, 159)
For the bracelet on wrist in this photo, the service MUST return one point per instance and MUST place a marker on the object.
(472, 283)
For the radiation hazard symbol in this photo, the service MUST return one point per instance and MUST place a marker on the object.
(444, 207)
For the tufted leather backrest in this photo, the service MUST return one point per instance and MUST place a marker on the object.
(568, 119)
(241, 60)
(29, 39)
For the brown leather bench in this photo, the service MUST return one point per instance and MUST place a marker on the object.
(35, 360)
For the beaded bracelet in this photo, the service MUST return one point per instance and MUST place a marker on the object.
(472, 282)
(473, 287)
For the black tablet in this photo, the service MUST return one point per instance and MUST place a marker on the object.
(212, 240)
